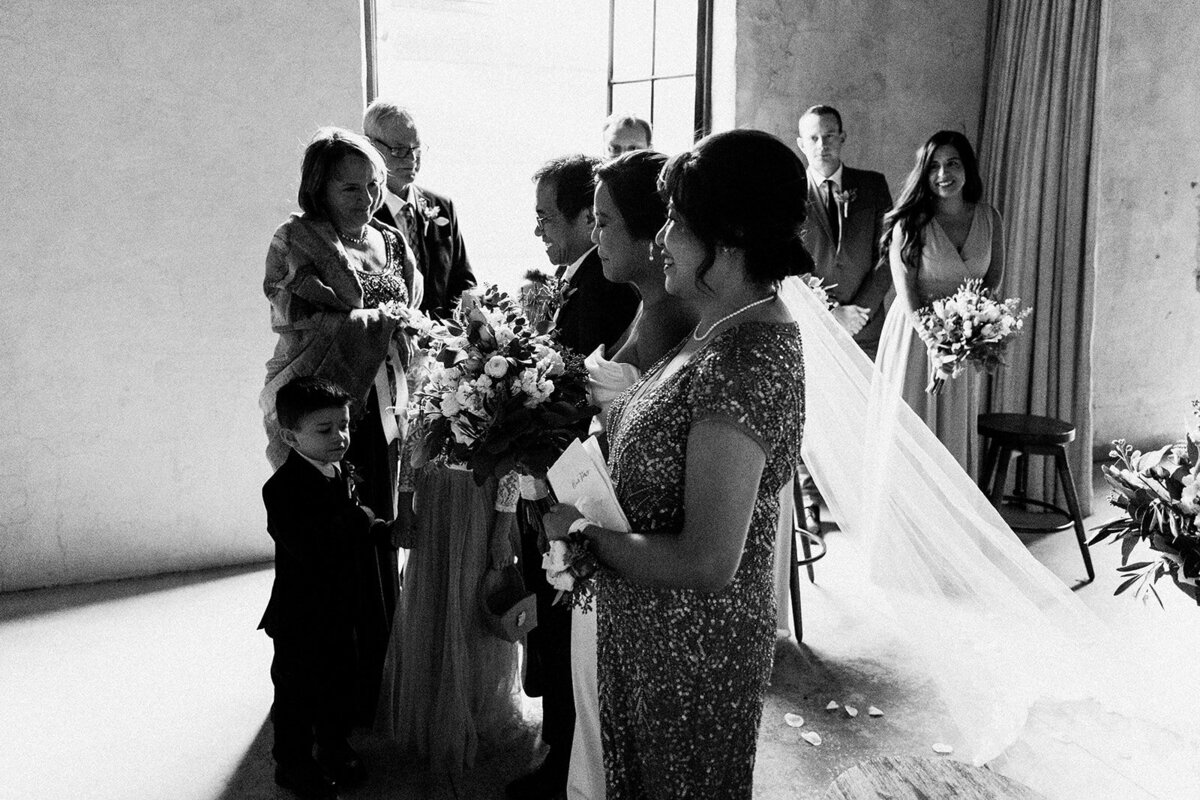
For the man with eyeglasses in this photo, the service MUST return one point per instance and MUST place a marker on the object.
(426, 219)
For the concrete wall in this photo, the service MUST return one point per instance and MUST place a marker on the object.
(897, 71)
(149, 152)
(1147, 331)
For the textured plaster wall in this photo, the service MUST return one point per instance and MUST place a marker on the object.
(149, 152)
(897, 70)
(1147, 331)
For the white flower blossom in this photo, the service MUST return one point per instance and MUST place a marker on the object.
(496, 367)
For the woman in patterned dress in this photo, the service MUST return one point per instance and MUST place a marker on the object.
(334, 278)
(700, 448)
(939, 234)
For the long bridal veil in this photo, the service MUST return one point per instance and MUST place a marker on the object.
(997, 632)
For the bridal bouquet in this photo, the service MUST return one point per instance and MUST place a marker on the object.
(968, 327)
(1159, 492)
(499, 395)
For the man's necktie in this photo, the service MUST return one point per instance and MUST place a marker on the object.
(831, 208)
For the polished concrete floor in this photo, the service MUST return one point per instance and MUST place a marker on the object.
(158, 688)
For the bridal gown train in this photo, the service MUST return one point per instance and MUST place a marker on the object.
(1011, 650)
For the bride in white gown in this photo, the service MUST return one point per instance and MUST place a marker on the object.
(628, 213)
(1007, 644)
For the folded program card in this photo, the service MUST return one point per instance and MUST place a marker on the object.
(580, 478)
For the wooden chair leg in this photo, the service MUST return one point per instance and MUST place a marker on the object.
(1063, 469)
(806, 546)
(989, 464)
(997, 496)
(794, 591)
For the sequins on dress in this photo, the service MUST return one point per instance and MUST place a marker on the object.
(683, 673)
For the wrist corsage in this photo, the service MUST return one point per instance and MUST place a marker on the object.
(570, 565)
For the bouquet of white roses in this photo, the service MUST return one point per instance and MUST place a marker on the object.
(968, 327)
(499, 395)
(1159, 492)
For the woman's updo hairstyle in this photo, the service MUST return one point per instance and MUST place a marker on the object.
(632, 180)
(743, 189)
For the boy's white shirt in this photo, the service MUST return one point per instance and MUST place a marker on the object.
(327, 468)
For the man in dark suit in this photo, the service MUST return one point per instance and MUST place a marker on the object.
(842, 232)
(427, 219)
(596, 312)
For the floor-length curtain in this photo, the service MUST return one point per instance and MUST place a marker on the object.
(1036, 150)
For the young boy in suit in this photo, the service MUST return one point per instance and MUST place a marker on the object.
(323, 537)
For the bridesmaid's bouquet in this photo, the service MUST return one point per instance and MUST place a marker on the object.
(968, 327)
(499, 396)
(1159, 492)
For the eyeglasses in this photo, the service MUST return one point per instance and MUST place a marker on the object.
(402, 152)
(541, 221)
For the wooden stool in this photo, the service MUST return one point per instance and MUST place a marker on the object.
(807, 540)
(913, 778)
(1028, 435)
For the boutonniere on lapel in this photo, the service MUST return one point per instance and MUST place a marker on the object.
(432, 213)
(353, 480)
(843, 198)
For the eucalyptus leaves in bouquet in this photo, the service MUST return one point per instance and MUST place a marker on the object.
(1159, 492)
(500, 396)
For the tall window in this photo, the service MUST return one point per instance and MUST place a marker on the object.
(659, 66)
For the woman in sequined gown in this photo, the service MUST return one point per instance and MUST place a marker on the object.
(334, 278)
(700, 448)
(629, 211)
(938, 235)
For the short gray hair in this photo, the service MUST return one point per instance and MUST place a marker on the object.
(382, 113)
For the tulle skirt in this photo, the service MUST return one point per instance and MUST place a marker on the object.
(450, 687)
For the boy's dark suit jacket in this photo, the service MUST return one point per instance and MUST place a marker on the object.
(439, 250)
(596, 310)
(855, 267)
(326, 578)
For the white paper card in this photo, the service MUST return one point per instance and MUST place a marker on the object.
(580, 478)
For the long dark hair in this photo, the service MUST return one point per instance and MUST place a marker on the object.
(917, 203)
(632, 180)
(743, 189)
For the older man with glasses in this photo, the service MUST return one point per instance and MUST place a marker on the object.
(427, 219)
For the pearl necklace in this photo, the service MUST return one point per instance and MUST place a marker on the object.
(701, 337)
(357, 241)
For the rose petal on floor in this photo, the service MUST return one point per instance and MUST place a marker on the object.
(812, 737)
(833, 706)
(794, 720)
(943, 749)
(874, 712)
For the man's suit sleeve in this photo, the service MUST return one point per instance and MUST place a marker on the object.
(872, 291)
(461, 277)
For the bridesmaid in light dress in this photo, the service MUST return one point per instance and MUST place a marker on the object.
(629, 211)
(939, 234)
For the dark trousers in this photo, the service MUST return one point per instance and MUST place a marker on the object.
(548, 646)
(314, 694)
(374, 460)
